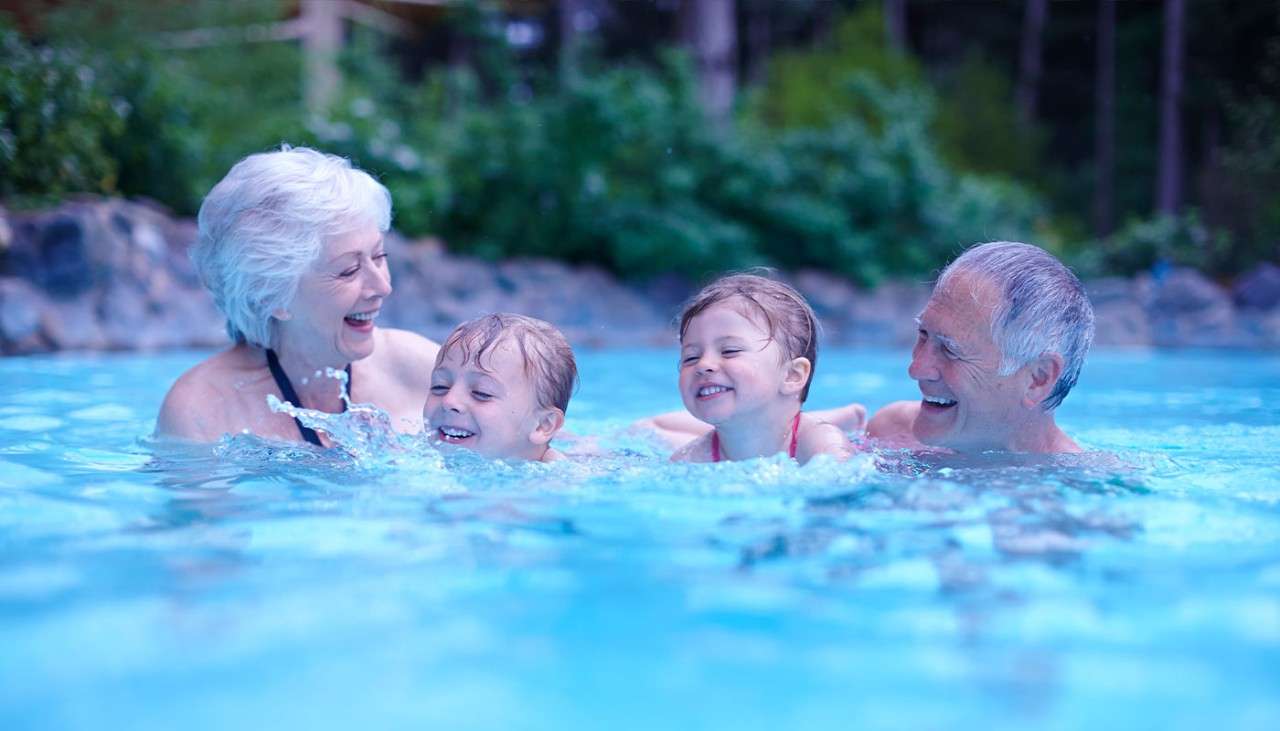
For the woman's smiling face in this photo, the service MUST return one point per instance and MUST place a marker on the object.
(331, 317)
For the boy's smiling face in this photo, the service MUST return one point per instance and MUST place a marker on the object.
(491, 409)
(730, 366)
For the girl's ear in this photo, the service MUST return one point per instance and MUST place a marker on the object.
(549, 422)
(1042, 376)
(798, 371)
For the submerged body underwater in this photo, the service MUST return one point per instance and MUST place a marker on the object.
(1137, 585)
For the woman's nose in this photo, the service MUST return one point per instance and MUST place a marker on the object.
(378, 281)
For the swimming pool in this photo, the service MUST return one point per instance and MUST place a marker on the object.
(277, 587)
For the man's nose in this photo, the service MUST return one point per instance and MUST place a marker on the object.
(923, 363)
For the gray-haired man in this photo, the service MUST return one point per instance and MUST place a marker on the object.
(1000, 344)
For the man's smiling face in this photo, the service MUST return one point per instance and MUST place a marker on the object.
(966, 404)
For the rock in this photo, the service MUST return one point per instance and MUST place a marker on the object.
(20, 308)
(1259, 289)
(1187, 309)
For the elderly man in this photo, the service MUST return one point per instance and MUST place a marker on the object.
(1000, 345)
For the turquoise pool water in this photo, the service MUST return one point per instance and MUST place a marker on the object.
(276, 587)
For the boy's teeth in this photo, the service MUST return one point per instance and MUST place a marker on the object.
(712, 390)
(939, 401)
(449, 431)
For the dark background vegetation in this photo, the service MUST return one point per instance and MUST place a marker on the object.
(866, 137)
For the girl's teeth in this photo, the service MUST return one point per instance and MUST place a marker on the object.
(711, 390)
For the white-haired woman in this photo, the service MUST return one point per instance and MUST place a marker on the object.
(291, 246)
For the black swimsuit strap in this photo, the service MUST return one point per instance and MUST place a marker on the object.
(286, 390)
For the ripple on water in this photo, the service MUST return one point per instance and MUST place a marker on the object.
(14, 475)
(31, 423)
(103, 412)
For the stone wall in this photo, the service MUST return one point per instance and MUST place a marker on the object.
(103, 274)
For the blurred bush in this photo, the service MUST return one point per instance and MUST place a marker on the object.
(1142, 244)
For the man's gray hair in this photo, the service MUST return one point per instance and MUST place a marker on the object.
(1043, 308)
(265, 223)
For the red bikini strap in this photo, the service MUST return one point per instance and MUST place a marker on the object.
(715, 446)
(795, 433)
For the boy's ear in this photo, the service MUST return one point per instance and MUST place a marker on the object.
(798, 371)
(1042, 376)
(549, 422)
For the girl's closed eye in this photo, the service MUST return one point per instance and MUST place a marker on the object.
(439, 390)
(481, 395)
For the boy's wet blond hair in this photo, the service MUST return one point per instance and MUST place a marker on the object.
(548, 359)
(789, 318)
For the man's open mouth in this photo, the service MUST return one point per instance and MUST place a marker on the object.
(939, 402)
(707, 392)
(454, 435)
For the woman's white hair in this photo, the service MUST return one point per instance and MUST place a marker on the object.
(1043, 308)
(264, 224)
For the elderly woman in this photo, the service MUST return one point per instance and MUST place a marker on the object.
(291, 246)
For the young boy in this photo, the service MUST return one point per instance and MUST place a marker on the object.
(501, 386)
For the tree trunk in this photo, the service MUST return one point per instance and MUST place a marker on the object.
(1104, 141)
(574, 14)
(1169, 179)
(759, 39)
(895, 23)
(711, 31)
(321, 42)
(1033, 22)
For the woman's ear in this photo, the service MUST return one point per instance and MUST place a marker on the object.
(1042, 376)
(549, 422)
(798, 371)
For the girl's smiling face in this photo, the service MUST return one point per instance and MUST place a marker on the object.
(730, 366)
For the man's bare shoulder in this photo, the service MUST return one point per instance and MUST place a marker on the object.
(892, 425)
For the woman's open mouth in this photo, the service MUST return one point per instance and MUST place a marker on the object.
(362, 321)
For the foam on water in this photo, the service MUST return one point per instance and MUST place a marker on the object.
(387, 582)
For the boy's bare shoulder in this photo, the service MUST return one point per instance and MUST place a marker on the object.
(699, 450)
(893, 423)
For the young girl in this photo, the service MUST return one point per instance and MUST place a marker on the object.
(748, 346)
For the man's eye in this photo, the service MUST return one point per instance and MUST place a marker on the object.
(948, 352)
(481, 395)
(381, 257)
(349, 273)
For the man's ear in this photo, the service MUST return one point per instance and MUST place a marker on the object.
(549, 422)
(1042, 376)
(798, 371)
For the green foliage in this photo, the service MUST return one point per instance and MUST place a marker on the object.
(618, 167)
(977, 126)
(56, 122)
(1143, 243)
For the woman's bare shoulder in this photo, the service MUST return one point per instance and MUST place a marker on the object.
(407, 354)
(193, 408)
